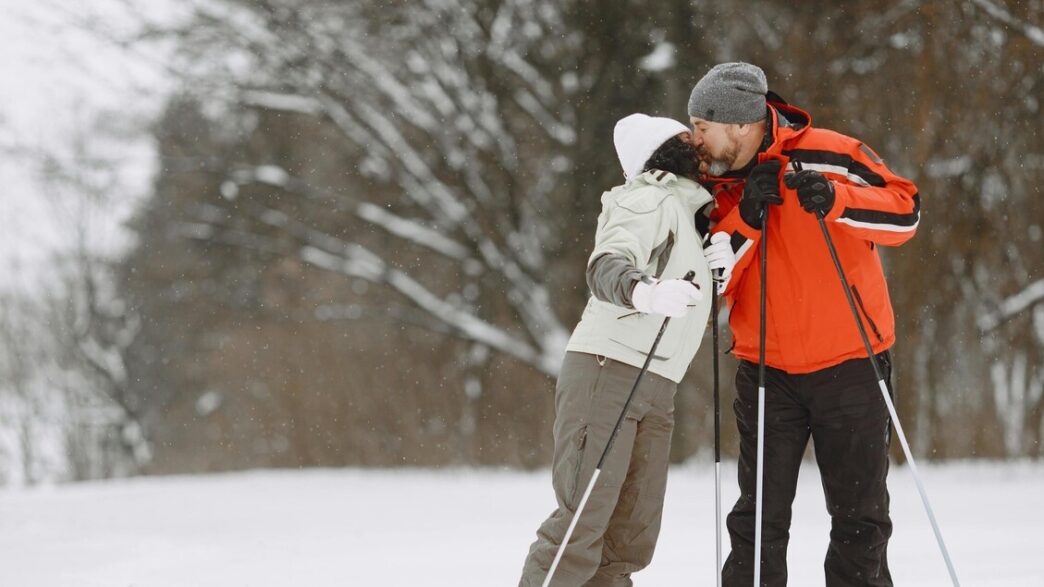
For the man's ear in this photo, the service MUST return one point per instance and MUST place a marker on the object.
(744, 129)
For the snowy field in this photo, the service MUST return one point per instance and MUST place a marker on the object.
(408, 528)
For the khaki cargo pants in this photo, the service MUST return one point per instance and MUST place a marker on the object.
(618, 528)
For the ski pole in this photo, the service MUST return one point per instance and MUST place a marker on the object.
(717, 431)
(886, 395)
(717, 427)
(761, 403)
(608, 447)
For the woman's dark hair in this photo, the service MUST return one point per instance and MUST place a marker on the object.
(677, 157)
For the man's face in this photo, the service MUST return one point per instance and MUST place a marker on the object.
(717, 144)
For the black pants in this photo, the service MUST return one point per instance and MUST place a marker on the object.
(842, 409)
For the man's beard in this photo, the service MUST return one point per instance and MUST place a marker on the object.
(719, 166)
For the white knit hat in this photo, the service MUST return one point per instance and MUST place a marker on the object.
(638, 136)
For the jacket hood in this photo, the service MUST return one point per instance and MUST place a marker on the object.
(788, 122)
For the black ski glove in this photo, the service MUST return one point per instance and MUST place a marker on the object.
(815, 192)
(761, 189)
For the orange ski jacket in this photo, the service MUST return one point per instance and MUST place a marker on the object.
(809, 325)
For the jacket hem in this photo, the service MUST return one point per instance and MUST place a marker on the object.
(804, 368)
(635, 359)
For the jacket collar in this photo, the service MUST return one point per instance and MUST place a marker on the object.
(692, 193)
(688, 190)
(787, 123)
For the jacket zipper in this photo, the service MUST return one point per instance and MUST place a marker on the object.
(859, 300)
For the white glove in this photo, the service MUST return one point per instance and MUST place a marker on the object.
(719, 255)
(670, 297)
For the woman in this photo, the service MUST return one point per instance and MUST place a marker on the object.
(646, 241)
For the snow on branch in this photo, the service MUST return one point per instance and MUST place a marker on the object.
(433, 121)
(281, 102)
(563, 133)
(448, 202)
(420, 183)
(352, 259)
(423, 186)
(1034, 33)
(383, 80)
(412, 231)
(1013, 305)
(348, 258)
(405, 228)
(357, 261)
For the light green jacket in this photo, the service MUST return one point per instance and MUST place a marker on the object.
(646, 228)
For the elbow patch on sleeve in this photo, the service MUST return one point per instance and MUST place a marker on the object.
(611, 279)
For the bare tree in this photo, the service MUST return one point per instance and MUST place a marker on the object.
(63, 359)
(467, 125)
(23, 421)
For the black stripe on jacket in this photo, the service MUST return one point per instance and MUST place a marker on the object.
(854, 167)
(880, 217)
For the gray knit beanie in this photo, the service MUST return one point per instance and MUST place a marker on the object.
(731, 93)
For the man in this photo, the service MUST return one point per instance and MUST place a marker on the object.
(769, 161)
(645, 242)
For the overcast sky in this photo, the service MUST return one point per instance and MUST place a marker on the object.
(57, 79)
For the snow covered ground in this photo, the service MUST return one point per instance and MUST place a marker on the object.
(398, 528)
